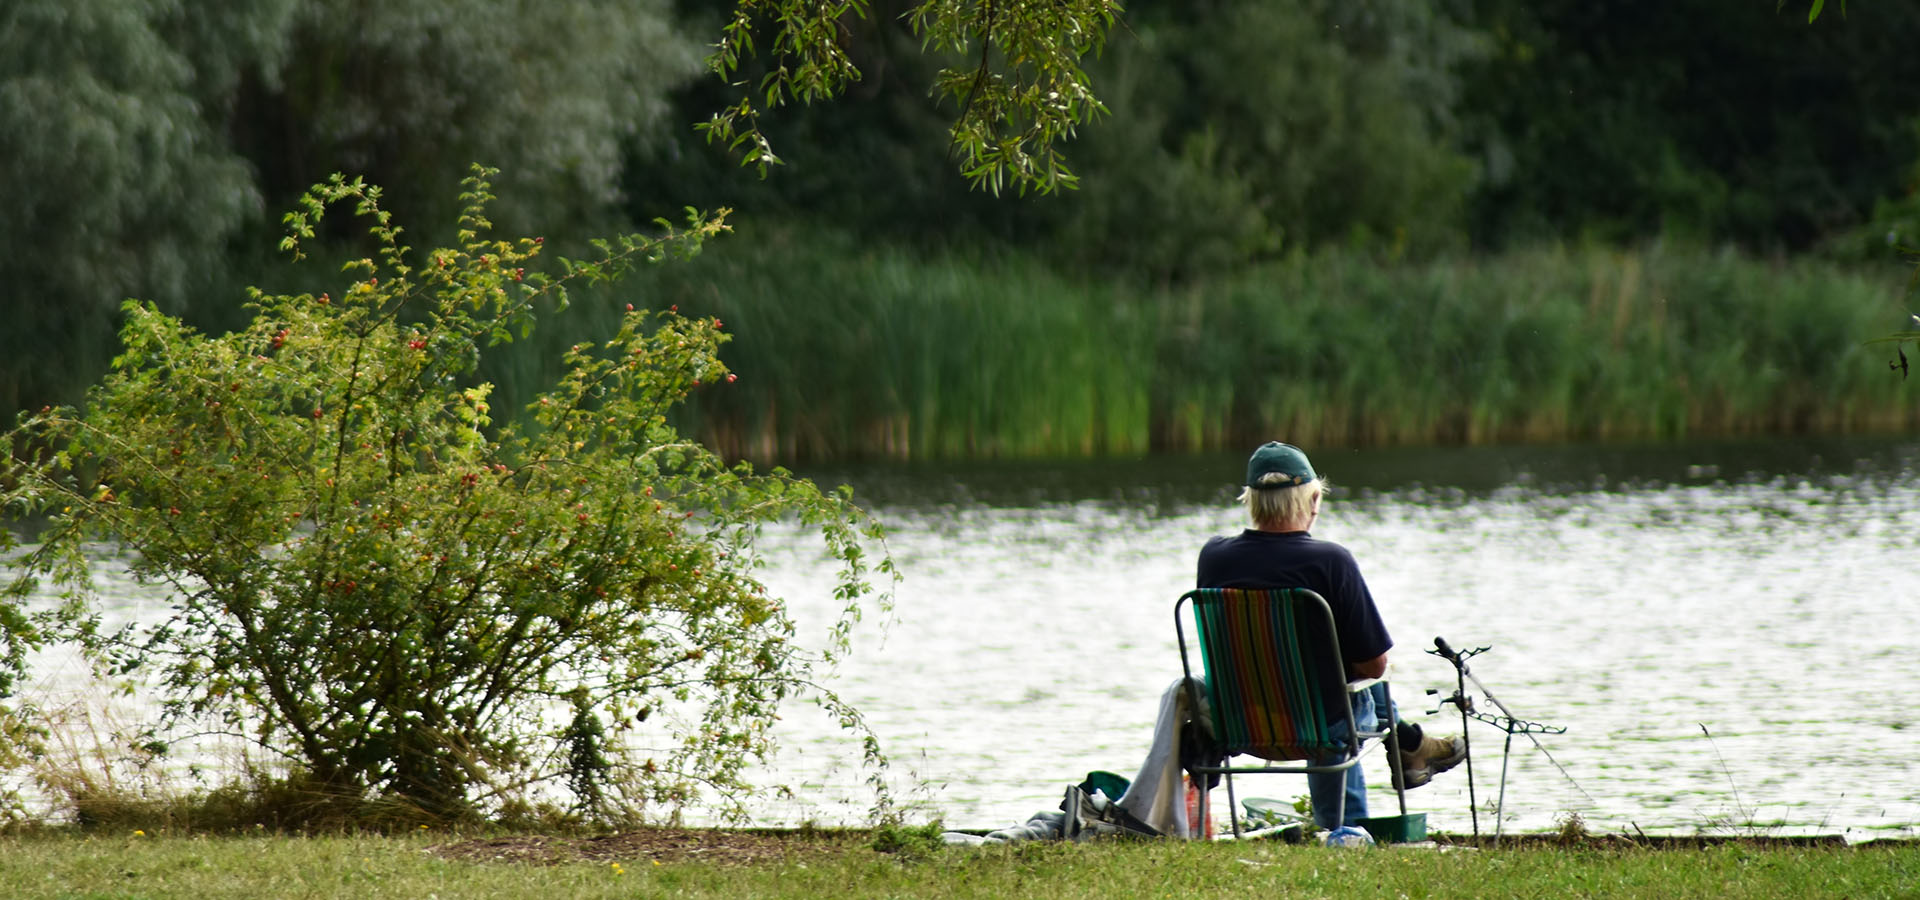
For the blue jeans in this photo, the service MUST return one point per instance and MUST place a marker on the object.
(1327, 789)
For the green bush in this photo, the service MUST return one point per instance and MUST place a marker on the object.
(366, 576)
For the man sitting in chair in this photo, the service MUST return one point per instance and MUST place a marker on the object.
(1282, 494)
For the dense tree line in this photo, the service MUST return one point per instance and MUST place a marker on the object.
(1240, 130)
(143, 141)
(1716, 120)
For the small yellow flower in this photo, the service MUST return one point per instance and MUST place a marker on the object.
(138, 833)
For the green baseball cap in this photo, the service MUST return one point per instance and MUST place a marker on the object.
(1275, 458)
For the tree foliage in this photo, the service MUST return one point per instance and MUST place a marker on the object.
(405, 94)
(368, 576)
(1242, 130)
(1708, 120)
(141, 142)
(118, 181)
(1238, 131)
(1017, 80)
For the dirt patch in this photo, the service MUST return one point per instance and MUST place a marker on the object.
(662, 845)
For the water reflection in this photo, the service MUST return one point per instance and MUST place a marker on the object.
(1632, 595)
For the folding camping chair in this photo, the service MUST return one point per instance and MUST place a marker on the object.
(1272, 661)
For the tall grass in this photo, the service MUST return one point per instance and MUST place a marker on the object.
(848, 350)
(862, 350)
(1543, 345)
(86, 760)
(844, 350)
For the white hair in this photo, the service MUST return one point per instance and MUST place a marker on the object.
(1282, 509)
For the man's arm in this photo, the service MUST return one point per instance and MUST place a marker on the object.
(1372, 668)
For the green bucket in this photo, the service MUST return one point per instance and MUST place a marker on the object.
(1408, 829)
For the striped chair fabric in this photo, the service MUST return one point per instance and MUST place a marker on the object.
(1275, 682)
(1269, 658)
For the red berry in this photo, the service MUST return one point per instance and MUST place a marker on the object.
(674, 308)
(629, 307)
(539, 240)
(731, 378)
(317, 413)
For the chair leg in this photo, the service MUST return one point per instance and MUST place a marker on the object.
(1340, 808)
(1204, 808)
(1397, 759)
(1233, 808)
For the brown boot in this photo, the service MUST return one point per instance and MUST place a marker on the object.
(1435, 755)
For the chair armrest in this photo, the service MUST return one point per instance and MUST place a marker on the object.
(1355, 687)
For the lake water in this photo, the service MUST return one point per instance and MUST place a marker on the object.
(1630, 594)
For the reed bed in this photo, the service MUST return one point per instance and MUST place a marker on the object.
(847, 350)
(1543, 345)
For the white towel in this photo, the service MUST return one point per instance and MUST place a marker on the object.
(1158, 795)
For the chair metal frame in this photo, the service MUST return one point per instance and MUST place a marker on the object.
(1298, 690)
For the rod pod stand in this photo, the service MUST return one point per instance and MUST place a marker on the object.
(1505, 722)
(1464, 703)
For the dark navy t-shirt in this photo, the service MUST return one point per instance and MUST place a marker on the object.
(1294, 559)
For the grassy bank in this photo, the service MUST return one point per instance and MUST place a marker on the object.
(371, 868)
(847, 350)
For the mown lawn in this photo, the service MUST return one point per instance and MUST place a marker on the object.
(140, 866)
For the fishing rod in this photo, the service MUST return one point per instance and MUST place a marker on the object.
(1506, 722)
